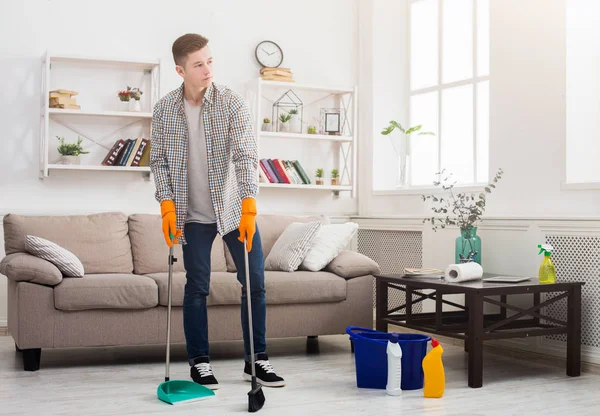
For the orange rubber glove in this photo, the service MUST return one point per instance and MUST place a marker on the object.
(247, 222)
(169, 221)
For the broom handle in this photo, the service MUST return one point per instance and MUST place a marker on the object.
(169, 312)
(250, 328)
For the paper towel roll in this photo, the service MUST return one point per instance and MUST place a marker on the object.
(464, 272)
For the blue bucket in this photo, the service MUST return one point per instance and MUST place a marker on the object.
(370, 356)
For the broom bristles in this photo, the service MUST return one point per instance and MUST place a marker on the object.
(256, 397)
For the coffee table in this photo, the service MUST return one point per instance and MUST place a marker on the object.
(470, 323)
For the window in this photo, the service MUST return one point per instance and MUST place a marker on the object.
(449, 90)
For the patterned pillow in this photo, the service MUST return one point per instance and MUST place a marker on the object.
(63, 259)
(291, 246)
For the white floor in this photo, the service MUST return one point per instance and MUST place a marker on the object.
(123, 381)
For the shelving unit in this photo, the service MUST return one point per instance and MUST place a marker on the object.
(346, 98)
(97, 116)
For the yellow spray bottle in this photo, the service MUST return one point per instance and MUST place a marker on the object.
(547, 273)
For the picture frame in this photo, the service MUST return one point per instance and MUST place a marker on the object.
(332, 123)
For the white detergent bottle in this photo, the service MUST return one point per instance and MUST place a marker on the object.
(394, 359)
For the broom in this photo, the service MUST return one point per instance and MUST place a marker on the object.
(256, 397)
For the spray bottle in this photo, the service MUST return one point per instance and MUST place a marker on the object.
(547, 273)
(394, 359)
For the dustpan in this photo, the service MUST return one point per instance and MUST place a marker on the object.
(178, 391)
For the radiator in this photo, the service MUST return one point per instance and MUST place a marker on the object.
(393, 250)
(577, 258)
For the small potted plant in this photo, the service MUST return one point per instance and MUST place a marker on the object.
(266, 124)
(70, 151)
(136, 96)
(312, 130)
(284, 125)
(124, 96)
(295, 125)
(334, 177)
(319, 177)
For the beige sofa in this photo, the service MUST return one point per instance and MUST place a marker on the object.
(122, 298)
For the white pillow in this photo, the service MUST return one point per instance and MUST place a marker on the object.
(63, 259)
(291, 246)
(329, 242)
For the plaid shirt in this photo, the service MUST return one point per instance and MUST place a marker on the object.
(230, 147)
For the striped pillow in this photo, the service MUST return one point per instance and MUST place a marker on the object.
(292, 245)
(63, 259)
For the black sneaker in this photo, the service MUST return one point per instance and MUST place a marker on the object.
(201, 373)
(265, 374)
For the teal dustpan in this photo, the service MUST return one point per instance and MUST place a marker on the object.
(178, 391)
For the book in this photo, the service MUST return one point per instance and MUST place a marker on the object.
(262, 177)
(275, 70)
(292, 172)
(62, 100)
(301, 171)
(112, 154)
(144, 144)
(281, 169)
(270, 178)
(133, 151)
(275, 171)
(119, 161)
(145, 159)
(58, 93)
(66, 106)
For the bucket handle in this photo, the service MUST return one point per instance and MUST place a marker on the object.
(350, 331)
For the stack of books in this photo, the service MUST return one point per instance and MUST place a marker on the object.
(282, 171)
(128, 152)
(64, 99)
(277, 74)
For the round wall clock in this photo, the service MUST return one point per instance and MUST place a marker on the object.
(269, 54)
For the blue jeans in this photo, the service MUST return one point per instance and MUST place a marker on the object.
(196, 260)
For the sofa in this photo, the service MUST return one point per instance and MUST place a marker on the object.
(122, 297)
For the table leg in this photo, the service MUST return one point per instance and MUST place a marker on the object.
(475, 340)
(408, 310)
(574, 332)
(381, 305)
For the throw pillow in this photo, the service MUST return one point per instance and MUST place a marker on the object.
(349, 264)
(291, 246)
(63, 259)
(329, 241)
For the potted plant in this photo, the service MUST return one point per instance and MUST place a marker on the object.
(134, 102)
(319, 177)
(463, 210)
(70, 151)
(266, 126)
(312, 130)
(284, 125)
(334, 177)
(403, 149)
(295, 125)
(124, 96)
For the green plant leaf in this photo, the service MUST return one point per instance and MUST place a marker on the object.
(387, 130)
(398, 125)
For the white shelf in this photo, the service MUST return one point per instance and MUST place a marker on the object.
(307, 87)
(131, 114)
(132, 63)
(325, 137)
(99, 167)
(313, 187)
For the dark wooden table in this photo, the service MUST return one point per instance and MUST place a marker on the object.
(471, 324)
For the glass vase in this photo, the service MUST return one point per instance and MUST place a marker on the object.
(468, 246)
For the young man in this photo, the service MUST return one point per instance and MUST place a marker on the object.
(204, 159)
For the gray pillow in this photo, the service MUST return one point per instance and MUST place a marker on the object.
(349, 264)
(291, 247)
(67, 262)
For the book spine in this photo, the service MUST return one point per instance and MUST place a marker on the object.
(303, 174)
(275, 171)
(139, 153)
(111, 156)
(127, 152)
(281, 171)
(266, 172)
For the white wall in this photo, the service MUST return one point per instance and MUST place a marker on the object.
(318, 38)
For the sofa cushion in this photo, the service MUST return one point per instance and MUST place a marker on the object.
(327, 244)
(349, 264)
(23, 267)
(150, 252)
(224, 288)
(106, 291)
(67, 262)
(271, 227)
(281, 288)
(291, 247)
(100, 241)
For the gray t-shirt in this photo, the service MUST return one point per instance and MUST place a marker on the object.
(200, 207)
